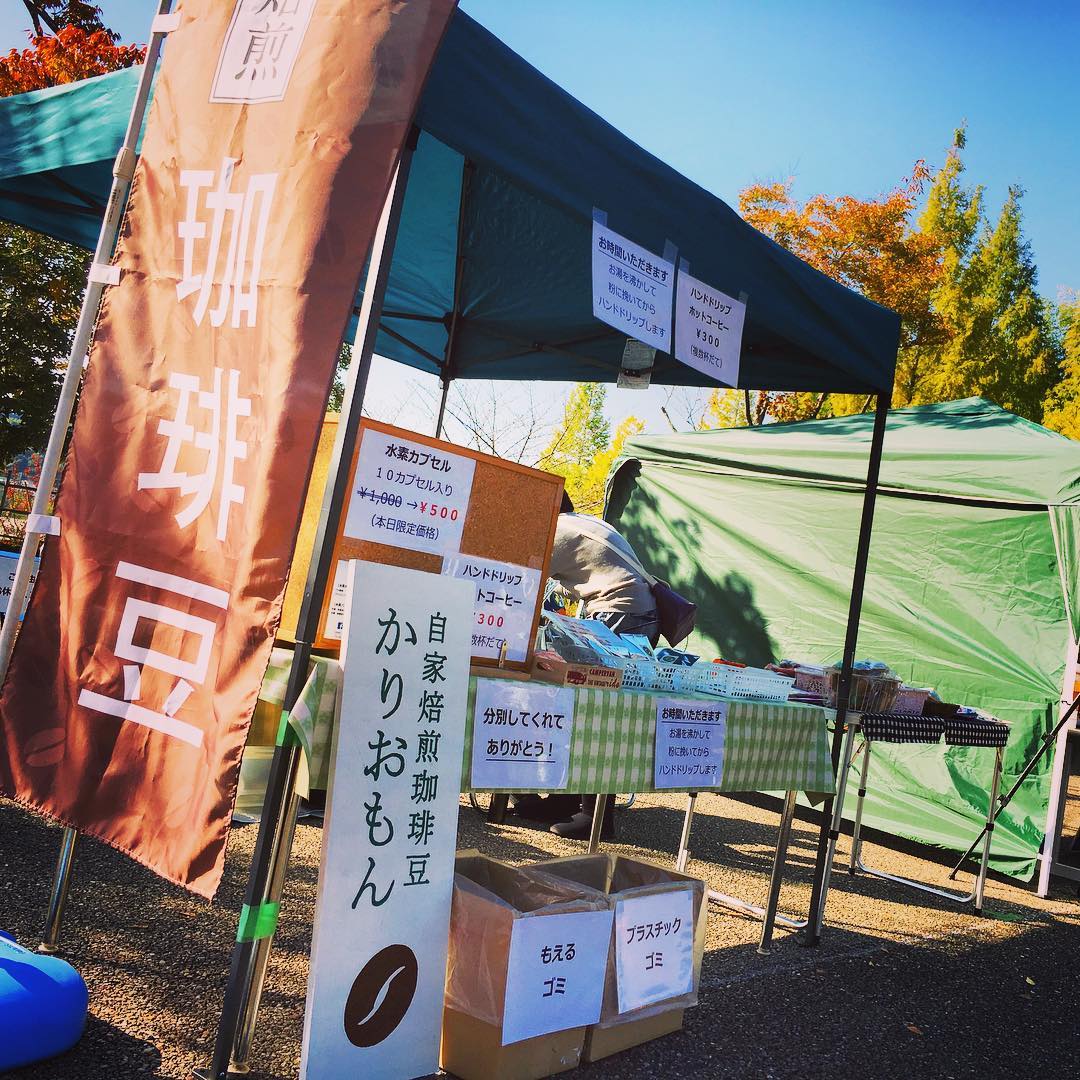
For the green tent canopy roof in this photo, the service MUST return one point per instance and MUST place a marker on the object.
(972, 583)
(969, 449)
(506, 175)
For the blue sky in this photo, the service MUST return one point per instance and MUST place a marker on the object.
(843, 96)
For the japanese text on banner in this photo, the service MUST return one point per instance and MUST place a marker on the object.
(158, 602)
(408, 495)
(504, 604)
(387, 873)
(689, 748)
(631, 288)
(521, 736)
(708, 329)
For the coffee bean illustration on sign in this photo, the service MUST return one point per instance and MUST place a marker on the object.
(381, 995)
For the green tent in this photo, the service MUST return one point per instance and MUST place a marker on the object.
(972, 584)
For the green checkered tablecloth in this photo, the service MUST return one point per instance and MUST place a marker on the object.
(766, 747)
(312, 718)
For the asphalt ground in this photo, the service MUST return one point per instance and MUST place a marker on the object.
(903, 985)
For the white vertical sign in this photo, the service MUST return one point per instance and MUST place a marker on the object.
(708, 329)
(7, 579)
(631, 288)
(339, 596)
(378, 958)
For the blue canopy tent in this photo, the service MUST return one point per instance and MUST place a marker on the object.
(494, 237)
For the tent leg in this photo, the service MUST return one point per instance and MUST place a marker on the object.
(123, 171)
(787, 817)
(454, 317)
(856, 836)
(684, 839)
(50, 939)
(830, 827)
(267, 874)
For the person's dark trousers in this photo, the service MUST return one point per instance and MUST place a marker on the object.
(588, 807)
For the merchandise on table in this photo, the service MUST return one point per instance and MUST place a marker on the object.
(593, 645)
(549, 666)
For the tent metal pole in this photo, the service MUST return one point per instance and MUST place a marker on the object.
(453, 317)
(277, 825)
(1059, 780)
(442, 407)
(50, 939)
(833, 809)
(1049, 739)
(123, 171)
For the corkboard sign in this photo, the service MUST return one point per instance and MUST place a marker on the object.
(429, 505)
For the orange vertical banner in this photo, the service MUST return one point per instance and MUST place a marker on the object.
(275, 129)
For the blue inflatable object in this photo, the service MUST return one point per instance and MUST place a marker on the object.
(42, 1005)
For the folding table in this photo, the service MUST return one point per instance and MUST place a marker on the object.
(901, 728)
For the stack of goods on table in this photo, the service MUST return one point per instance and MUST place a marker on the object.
(566, 961)
(586, 652)
(875, 688)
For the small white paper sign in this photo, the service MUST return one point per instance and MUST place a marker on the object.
(7, 580)
(409, 495)
(654, 948)
(689, 748)
(708, 329)
(504, 605)
(631, 288)
(555, 973)
(335, 611)
(382, 917)
(521, 735)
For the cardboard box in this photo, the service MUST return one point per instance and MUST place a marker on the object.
(473, 1050)
(550, 667)
(489, 898)
(617, 877)
(602, 1042)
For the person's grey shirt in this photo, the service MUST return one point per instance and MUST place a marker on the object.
(590, 569)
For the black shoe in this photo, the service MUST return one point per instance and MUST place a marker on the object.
(579, 827)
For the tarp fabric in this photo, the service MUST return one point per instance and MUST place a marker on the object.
(504, 181)
(963, 592)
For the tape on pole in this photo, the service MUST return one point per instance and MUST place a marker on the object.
(258, 922)
(43, 524)
(166, 24)
(105, 273)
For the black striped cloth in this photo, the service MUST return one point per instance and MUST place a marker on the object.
(958, 730)
(975, 731)
(902, 728)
